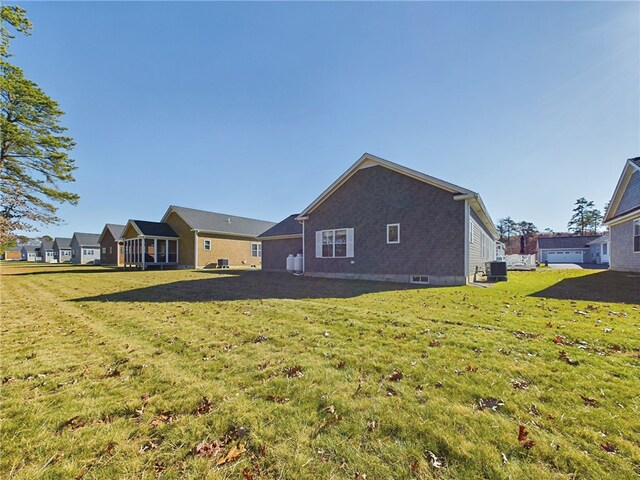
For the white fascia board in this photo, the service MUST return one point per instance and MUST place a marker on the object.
(624, 218)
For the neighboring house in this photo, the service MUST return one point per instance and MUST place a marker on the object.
(149, 244)
(13, 254)
(206, 237)
(30, 253)
(382, 221)
(62, 249)
(623, 220)
(280, 241)
(47, 252)
(600, 249)
(85, 248)
(111, 247)
(566, 249)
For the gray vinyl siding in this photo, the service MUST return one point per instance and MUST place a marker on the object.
(621, 254)
(78, 256)
(631, 196)
(478, 258)
(432, 230)
(275, 253)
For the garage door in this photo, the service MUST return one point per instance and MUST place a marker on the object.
(565, 256)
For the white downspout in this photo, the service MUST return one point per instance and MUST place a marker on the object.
(466, 240)
(303, 270)
(195, 252)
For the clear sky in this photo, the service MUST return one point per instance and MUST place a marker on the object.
(253, 109)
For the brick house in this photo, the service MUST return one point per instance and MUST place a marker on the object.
(623, 220)
(111, 247)
(207, 236)
(382, 221)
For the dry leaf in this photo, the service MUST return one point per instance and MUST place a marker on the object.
(204, 406)
(395, 376)
(206, 449)
(234, 452)
(490, 403)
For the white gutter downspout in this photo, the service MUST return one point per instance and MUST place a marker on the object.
(466, 239)
(195, 252)
(302, 247)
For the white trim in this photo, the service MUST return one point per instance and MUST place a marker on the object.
(422, 279)
(622, 219)
(195, 253)
(258, 250)
(371, 160)
(621, 186)
(636, 223)
(204, 244)
(303, 259)
(467, 222)
(348, 242)
(393, 225)
(282, 237)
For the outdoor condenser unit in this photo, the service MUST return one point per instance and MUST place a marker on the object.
(496, 271)
(223, 263)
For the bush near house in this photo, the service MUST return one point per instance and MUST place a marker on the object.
(183, 374)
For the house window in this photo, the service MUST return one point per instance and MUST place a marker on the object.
(256, 250)
(334, 243)
(393, 233)
(420, 279)
(470, 232)
(207, 244)
(104, 250)
(110, 250)
(605, 249)
(73, 254)
(636, 236)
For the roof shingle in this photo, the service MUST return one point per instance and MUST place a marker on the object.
(577, 241)
(87, 239)
(288, 226)
(154, 229)
(220, 222)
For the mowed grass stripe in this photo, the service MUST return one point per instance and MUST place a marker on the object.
(369, 334)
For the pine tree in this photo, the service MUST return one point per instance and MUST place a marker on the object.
(34, 151)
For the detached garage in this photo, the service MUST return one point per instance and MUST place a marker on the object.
(573, 249)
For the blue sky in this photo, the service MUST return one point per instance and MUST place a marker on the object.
(253, 109)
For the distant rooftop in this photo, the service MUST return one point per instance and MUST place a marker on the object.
(288, 226)
(220, 222)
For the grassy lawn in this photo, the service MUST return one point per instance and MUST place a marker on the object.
(183, 374)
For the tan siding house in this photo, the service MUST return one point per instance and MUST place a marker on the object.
(208, 237)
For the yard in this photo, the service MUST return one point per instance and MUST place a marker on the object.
(242, 374)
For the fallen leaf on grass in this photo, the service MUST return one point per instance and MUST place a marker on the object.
(246, 473)
(564, 356)
(395, 376)
(234, 452)
(204, 406)
(208, 449)
(150, 445)
(341, 365)
(519, 384)
(295, 371)
(371, 425)
(436, 462)
(589, 402)
(533, 410)
(608, 447)
(491, 403)
(260, 339)
(73, 423)
(522, 438)
(166, 417)
(360, 476)
(277, 399)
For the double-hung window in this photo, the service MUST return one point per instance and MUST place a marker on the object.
(336, 243)
(256, 250)
(207, 244)
(636, 235)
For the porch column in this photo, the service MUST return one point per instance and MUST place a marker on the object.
(195, 251)
(177, 245)
(155, 250)
(166, 251)
(143, 251)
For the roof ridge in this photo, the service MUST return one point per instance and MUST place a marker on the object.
(221, 214)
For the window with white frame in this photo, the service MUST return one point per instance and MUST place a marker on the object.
(207, 244)
(334, 243)
(393, 233)
(605, 248)
(420, 279)
(636, 236)
(256, 250)
(471, 228)
(104, 250)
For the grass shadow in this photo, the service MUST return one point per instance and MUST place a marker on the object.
(604, 286)
(248, 285)
(61, 270)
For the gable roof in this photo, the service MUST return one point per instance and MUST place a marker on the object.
(152, 229)
(630, 177)
(115, 230)
(575, 241)
(287, 227)
(601, 239)
(46, 245)
(212, 222)
(87, 239)
(30, 248)
(62, 243)
(368, 160)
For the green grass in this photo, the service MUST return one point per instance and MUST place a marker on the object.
(82, 346)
